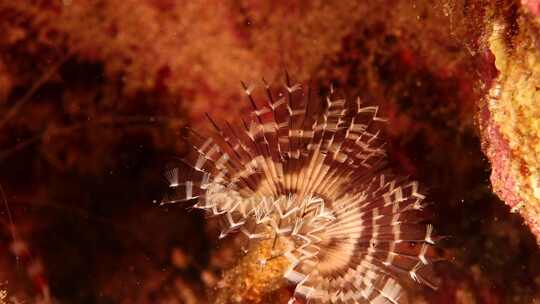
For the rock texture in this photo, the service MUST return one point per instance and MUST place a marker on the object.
(509, 117)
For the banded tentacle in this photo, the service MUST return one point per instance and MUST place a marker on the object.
(312, 173)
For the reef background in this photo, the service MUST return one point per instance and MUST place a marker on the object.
(94, 95)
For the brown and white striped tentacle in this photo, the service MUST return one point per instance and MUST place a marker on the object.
(313, 171)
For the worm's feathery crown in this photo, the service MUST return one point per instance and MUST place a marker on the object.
(310, 172)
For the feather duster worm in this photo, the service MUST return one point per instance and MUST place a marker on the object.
(306, 178)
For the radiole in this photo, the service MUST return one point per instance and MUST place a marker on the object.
(310, 174)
